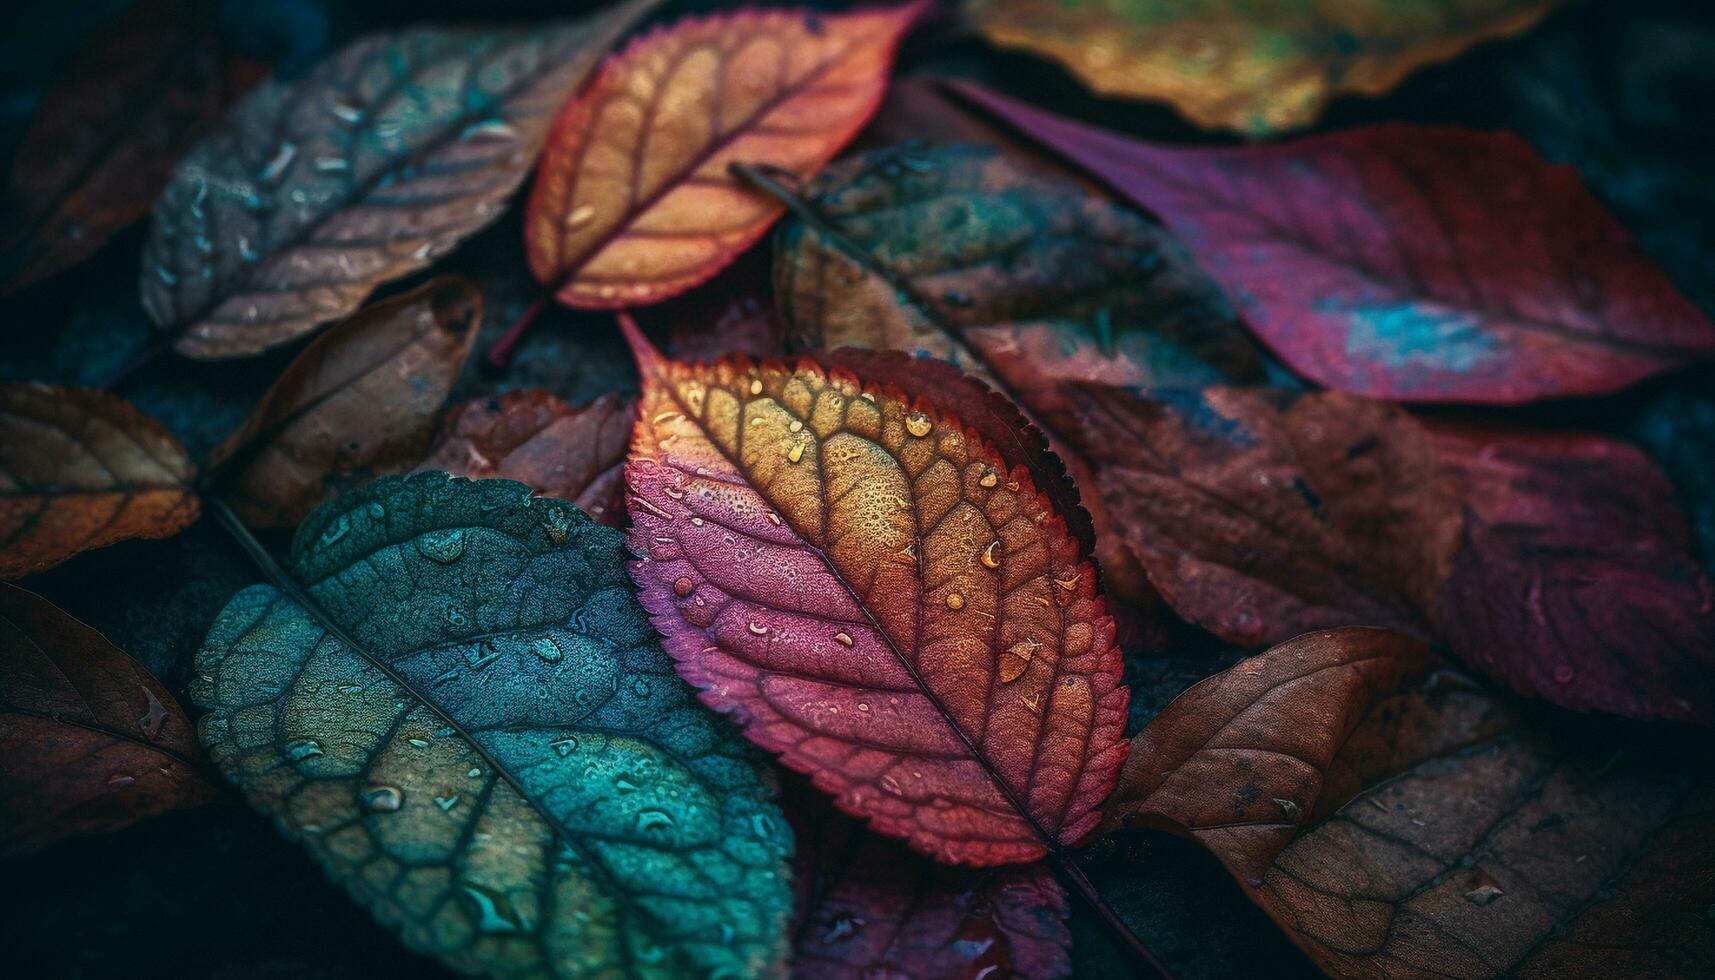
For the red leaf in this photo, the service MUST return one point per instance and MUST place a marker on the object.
(633, 200)
(859, 579)
(535, 438)
(1576, 582)
(1410, 262)
(90, 742)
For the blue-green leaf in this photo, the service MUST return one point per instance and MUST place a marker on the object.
(509, 772)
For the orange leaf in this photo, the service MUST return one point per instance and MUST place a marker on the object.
(633, 201)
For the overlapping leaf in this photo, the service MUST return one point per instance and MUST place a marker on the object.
(378, 161)
(80, 469)
(89, 741)
(1478, 846)
(359, 401)
(860, 579)
(1435, 264)
(104, 140)
(1256, 68)
(484, 743)
(633, 201)
(534, 437)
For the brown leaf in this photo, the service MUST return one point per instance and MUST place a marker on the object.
(90, 742)
(80, 469)
(1478, 845)
(105, 138)
(534, 437)
(1261, 514)
(1257, 68)
(360, 400)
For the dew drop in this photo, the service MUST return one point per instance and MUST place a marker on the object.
(383, 799)
(418, 743)
(652, 819)
(756, 386)
(843, 926)
(758, 629)
(917, 424)
(955, 601)
(446, 803)
(795, 454)
(444, 547)
(334, 531)
(762, 825)
(299, 749)
(991, 554)
(580, 216)
(547, 649)
(494, 914)
(1563, 674)
(120, 780)
(989, 480)
(843, 639)
(683, 586)
(154, 718)
(565, 746)
(795, 426)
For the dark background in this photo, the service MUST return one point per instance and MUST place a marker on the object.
(1623, 91)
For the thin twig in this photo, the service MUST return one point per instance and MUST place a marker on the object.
(499, 353)
(1066, 862)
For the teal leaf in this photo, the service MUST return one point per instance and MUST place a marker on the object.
(510, 774)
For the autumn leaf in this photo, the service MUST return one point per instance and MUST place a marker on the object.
(872, 908)
(377, 162)
(1395, 819)
(1418, 263)
(105, 138)
(90, 742)
(633, 201)
(80, 469)
(534, 437)
(1261, 513)
(360, 400)
(863, 583)
(474, 730)
(1577, 582)
(1255, 68)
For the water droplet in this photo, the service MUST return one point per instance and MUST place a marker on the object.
(758, 629)
(547, 649)
(795, 426)
(417, 743)
(444, 547)
(651, 819)
(474, 772)
(863, 705)
(277, 164)
(565, 746)
(697, 522)
(1016, 658)
(154, 718)
(991, 554)
(917, 424)
(843, 926)
(1563, 674)
(334, 531)
(756, 386)
(580, 216)
(955, 601)
(446, 803)
(796, 453)
(120, 780)
(299, 749)
(1482, 889)
(843, 639)
(494, 914)
(640, 687)
(383, 799)
(989, 480)
(762, 825)
(345, 111)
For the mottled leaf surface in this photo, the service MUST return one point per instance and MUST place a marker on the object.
(80, 469)
(1480, 844)
(633, 200)
(90, 741)
(534, 437)
(1255, 68)
(103, 141)
(360, 400)
(1261, 514)
(1436, 264)
(508, 773)
(872, 908)
(378, 161)
(860, 580)
(1577, 581)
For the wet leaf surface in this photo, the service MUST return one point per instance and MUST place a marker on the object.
(1258, 69)
(860, 580)
(373, 165)
(90, 742)
(633, 201)
(79, 470)
(1482, 844)
(105, 139)
(534, 437)
(361, 400)
(508, 772)
(1438, 264)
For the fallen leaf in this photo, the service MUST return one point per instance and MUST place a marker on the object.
(377, 162)
(1261, 513)
(537, 439)
(506, 770)
(860, 580)
(1257, 69)
(875, 909)
(105, 138)
(360, 400)
(1435, 265)
(1396, 820)
(1576, 582)
(80, 469)
(90, 742)
(633, 201)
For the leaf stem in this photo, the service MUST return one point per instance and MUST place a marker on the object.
(1066, 863)
(499, 353)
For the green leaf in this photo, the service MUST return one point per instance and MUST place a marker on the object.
(510, 774)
